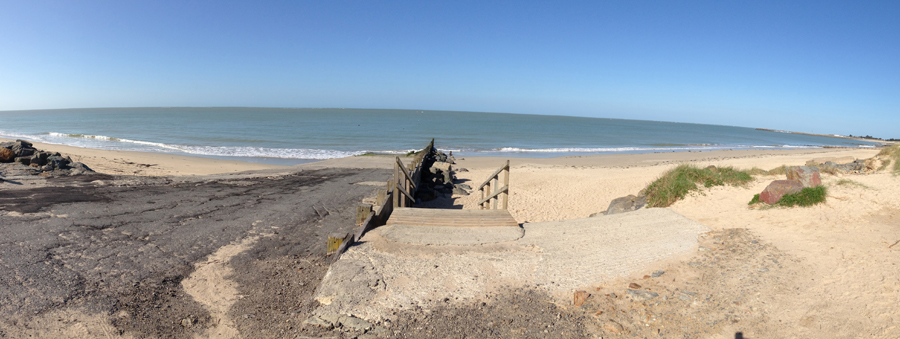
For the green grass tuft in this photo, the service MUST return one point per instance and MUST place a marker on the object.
(807, 197)
(755, 199)
(677, 183)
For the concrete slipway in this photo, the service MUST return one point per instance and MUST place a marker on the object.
(401, 267)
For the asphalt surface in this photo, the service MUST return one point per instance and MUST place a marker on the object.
(110, 244)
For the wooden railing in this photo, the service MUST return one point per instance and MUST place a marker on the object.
(400, 191)
(493, 196)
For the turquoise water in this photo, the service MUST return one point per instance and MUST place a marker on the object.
(276, 135)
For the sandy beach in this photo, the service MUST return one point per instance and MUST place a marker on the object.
(830, 270)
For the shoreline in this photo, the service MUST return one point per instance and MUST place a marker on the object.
(165, 164)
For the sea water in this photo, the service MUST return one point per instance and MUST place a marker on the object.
(296, 135)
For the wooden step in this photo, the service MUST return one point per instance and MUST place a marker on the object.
(451, 218)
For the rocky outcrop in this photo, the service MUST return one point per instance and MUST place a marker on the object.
(438, 178)
(23, 153)
(777, 189)
(808, 176)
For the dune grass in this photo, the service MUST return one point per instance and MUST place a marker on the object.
(806, 197)
(677, 183)
(893, 153)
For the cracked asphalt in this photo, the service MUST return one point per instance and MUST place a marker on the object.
(111, 244)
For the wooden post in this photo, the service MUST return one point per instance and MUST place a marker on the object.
(505, 195)
(494, 188)
(362, 213)
(382, 194)
(487, 193)
(396, 183)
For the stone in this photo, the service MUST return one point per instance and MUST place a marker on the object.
(187, 322)
(580, 298)
(626, 204)
(641, 295)
(808, 176)
(598, 214)
(777, 189)
(357, 324)
(23, 160)
(634, 286)
(658, 273)
(7, 155)
(40, 158)
(57, 161)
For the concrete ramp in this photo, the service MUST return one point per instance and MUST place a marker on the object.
(394, 272)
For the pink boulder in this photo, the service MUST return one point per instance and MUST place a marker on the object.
(778, 189)
(808, 176)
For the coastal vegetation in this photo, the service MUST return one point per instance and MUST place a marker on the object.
(893, 153)
(677, 183)
(808, 196)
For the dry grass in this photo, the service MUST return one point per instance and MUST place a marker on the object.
(893, 153)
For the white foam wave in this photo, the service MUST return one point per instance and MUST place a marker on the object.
(106, 142)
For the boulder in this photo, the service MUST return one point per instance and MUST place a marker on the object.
(24, 160)
(777, 189)
(57, 162)
(626, 204)
(40, 158)
(7, 155)
(22, 148)
(807, 176)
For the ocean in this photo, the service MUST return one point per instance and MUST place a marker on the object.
(298, 135)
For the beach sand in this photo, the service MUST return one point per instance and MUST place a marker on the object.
(827, 271)
(838, 264)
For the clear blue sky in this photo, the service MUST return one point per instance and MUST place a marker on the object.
(817, 66)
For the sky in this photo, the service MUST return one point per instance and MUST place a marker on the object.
(809, 66)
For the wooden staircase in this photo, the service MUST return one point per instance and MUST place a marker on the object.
(451, 218)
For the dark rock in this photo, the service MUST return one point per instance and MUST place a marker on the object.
(777, 189)
(40, 158)
(6, 155)
(657, 274)
(57, 161)
(24, 160)
(22, 148)
(462, 169)
(807, 176)
(598, 214)
(626, 204)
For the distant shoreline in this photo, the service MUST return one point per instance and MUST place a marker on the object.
(881, 141)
